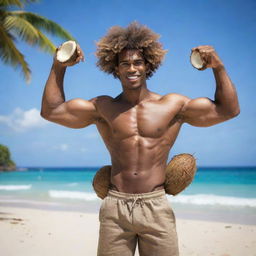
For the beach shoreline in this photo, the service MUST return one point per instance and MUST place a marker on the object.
(235, 215)
(54, 212)
(30, 231)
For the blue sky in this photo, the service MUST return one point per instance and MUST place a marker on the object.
(229, 26)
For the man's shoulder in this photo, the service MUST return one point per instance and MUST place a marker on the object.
(101, 99)
(175, 97)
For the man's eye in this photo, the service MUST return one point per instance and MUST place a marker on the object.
(137, 63)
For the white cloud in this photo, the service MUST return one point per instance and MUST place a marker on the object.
(91, 135)
(62, 147)
(20, 120)
(66, 147)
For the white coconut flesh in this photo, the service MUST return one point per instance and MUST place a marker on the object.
(196, 60)
(66, 51)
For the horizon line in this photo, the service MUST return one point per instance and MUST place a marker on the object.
(216, 166)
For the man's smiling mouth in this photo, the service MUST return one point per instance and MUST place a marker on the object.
(133, 77)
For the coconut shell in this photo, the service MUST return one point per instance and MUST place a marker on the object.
(204, 63)
(180, 172)
(101, 181)
(72, 57)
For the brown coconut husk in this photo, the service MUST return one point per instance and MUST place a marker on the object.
(101, 181)
(180, 172)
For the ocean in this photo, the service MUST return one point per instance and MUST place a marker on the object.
(217, 193)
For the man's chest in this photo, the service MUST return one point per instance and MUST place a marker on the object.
(147, 120)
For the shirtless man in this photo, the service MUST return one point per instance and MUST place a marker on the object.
(139, 127)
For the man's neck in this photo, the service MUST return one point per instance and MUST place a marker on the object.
(135, 96)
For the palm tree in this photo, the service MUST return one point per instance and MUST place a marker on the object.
(28, 27)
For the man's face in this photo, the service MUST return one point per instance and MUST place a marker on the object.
(131, 69)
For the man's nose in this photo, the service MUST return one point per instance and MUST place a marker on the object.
(131, 68)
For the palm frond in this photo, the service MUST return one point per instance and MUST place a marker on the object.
(45, 43)
(44, 24)
(28, 27)
(8, 3)
(27, 32)
(19, 3)
(22, 28)
(11, 55)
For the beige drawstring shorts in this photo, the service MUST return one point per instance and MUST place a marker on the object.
(147, 218)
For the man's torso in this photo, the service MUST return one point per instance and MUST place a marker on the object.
(139, 139)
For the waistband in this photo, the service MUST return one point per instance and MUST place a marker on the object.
(148, 195)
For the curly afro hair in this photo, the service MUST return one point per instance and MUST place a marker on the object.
(135, 36)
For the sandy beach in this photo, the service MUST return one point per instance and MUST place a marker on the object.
(26, 232)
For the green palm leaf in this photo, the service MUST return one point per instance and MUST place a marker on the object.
(19, 3)
(22, 28)
(44, 24)
(29, 27)
(11, 55)
(10, 2)
(45, 44)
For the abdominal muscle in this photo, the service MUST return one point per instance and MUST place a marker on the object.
(138, 144)
(138, 164)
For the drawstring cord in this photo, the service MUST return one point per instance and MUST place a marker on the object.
(134, 201)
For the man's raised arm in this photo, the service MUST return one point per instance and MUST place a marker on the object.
(76, 113)
(204, 111)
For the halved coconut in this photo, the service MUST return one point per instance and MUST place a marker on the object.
(196, 60)
(67, 52)
(179, 173)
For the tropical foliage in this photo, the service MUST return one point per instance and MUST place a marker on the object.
(5, 159)
(28, 27)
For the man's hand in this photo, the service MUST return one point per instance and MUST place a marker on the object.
(209, 55)
(203, 111)
(80, 57)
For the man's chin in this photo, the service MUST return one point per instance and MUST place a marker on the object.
(134, 86)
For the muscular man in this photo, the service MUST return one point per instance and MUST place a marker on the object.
(139, 127)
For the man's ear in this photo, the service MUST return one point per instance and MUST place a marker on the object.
(116, 71)
(147, 68)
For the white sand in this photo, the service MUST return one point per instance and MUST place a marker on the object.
(58, 233)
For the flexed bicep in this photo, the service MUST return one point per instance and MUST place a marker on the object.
(75, 113)
(202, 112)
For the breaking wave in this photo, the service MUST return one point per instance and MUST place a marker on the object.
(210, 199)
(15, 187)
(197, 199)
(87, 196)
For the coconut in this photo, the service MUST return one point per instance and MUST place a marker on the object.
(196, 60)
(180, 172)
(67, 52)
(101, 181)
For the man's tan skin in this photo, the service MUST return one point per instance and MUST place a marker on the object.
(139, 127)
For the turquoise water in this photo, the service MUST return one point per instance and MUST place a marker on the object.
(235, 187)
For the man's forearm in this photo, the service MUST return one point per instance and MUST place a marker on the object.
(53, 93)
(225, 95)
